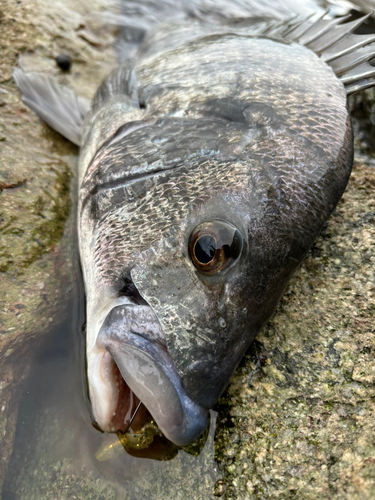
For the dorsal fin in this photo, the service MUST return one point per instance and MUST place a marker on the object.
(333, 40)
(349, 55)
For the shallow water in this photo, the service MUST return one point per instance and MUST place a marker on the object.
(56, 443)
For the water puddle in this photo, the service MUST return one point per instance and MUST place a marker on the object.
(58, 454)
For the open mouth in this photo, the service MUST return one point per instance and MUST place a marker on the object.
(131, 363)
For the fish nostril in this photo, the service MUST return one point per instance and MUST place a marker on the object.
(201, 367)
(130, 290)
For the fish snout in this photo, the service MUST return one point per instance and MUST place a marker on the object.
(204, 334)
(132, 336)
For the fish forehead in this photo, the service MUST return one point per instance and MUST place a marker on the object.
(238, 66)
(288, 79)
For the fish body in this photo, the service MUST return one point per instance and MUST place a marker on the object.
(210, 161)
(255, 134)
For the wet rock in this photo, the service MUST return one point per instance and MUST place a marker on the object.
(55, 459)
(298, 419)
(36, 171)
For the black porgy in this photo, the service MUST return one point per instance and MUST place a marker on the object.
(210, 160)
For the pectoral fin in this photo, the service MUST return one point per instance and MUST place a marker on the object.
(58, 106)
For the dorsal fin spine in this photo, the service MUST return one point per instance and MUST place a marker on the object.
(324, 36)
(362, 42)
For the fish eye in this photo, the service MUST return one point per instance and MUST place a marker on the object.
(214, 246)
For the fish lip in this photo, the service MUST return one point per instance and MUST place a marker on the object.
(181, 419)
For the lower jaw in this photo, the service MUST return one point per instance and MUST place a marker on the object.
(125, 360)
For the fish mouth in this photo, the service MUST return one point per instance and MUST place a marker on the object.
(132, 360)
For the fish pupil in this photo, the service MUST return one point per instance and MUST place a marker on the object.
(204, 249)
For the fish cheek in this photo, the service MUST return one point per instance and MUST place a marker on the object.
(199, 332)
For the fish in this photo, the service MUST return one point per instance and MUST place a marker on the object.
(210, 159)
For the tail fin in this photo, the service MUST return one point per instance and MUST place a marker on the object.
(58, 106)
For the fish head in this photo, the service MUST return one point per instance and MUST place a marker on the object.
(191, 228)
(204, 282)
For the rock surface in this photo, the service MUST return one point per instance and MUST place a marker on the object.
(297, 420)
(36, 169)
(302, 412)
